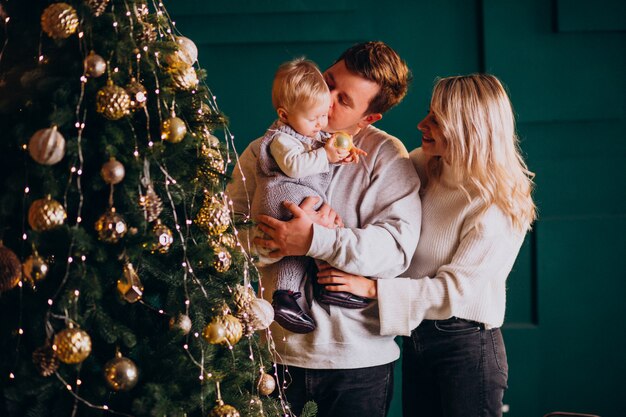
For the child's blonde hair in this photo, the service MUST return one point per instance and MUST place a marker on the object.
(476, 119)
(298, 83)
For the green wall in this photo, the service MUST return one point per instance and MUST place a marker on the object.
(564, 64)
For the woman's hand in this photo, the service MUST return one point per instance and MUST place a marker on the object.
(335, 280)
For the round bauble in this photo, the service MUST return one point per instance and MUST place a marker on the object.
(113, 101)
(224, 410)
(343, 140)
(72, 345)
(181, 322)
(111, 226)
(129, 285)
(188, 50)
(59, 20)
(45, 360)
(94, 65)
(120, 373)
(138, 94)
(47, 146)
(46, 214)
(266, 384)
(113, 171)
(35, 268)
(222, 259)
(10, 269)
(173, 129)
(262, 313)
(162, 238)
(214, 332)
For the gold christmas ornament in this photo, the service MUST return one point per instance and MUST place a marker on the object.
(46, 214)
(213, 217)
(47, 146)
(183, 76)
(152, 205)
(94, 65)
(45, 360)
(113, 171)
(210, 140)
(214, 332)
(222, 259)
(129, 286)
(262, 313)
(224, 410)
(10, 269)
(343, 140)
(146, 34)
(35, 268)
(213, 167)
(120, 373)
(266, 384)
(181, 322)
(232, 327)
(97, 6)
(111, 226)
(243, 296)
(72, 345)
(201, 113)
(113, 101)
(173, 129)
(59, 20)
(188, 50)
(229, 240)
(162, 238)
(137, 93)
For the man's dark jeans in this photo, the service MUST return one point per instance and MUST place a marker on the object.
(453, 368)
(362, 392)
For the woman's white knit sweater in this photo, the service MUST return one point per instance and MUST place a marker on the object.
(458, 269)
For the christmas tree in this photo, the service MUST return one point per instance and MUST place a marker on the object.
(123, 287)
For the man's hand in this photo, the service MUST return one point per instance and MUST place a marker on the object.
(290, 238)
(324, 216)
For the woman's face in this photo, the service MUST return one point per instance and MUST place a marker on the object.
(433, 142)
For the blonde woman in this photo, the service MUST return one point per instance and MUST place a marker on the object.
(477, 208)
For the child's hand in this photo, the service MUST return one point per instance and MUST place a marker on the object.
(335, 154)
(353, 155)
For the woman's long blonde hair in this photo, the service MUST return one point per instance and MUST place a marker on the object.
(476, 119)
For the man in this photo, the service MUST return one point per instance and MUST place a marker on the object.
(345, 365)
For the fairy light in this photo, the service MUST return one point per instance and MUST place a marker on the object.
(186, 346)
(11, 375)
(80, 35)
(50, 301)
(20, 331)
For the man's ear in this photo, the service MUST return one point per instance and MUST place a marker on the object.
(282, 114)
(369, 119)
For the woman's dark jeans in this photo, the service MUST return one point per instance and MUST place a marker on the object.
(452, 368)
(361, 392)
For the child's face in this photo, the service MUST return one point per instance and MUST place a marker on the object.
(308, 121)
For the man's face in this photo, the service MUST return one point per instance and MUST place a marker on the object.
(350, 97)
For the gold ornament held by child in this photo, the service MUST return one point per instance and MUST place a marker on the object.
(343, 140)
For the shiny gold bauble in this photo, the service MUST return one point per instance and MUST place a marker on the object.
(46, 214)
(222, 259)
(10, 269)
(47, 146)
(183, 77)
(113, 171)
(45, 360)
(94, 65)
(129, 285)
(113, 101)
(138, 94)
(97, 6)
(173, 129)
(343, 140)
(213, 217)
(224, 410)
(59, 20)
(35, 268)
(266, 384)
(181, 322)
(111, 226)
(72, 345)
(188, 50)
(262, 313)
(120, 373)
(162, 238)
(214, 333)
(225, 329)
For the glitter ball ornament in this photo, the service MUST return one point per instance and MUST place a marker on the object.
(183, 77)
(111, 226)
(343, 140)
(266, 384)
(222, 259)
(72, 345)
(97, 6)
(181, 322)
(262, 313)
(151, 204)
(34, 268)
(45, 360)
(162, 238)
(46, 214)
(229, 240)
(137, 93)
(129, 286)
(59, 20)
(232, 327)
(120, 373)
(10, 269)
(47, 146)
(113, 101)
(173, 129)
(94, 65)
(224, 410)
(213, 166)
(113, 171)
(213, 217)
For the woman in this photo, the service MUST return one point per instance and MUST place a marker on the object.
(477, 207)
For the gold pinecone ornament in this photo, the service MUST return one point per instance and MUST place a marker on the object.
(59, 20)
(46, 214)
(113, 101)
(151, 204)
(213, 167)
(214, 216)
(120, 373)
(10, 269)
(224, 410)
(183, 77)
(72, 345)
(97, 6)
(242, 297)
(45, 360)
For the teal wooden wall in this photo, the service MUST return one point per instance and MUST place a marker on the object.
(564, 64)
